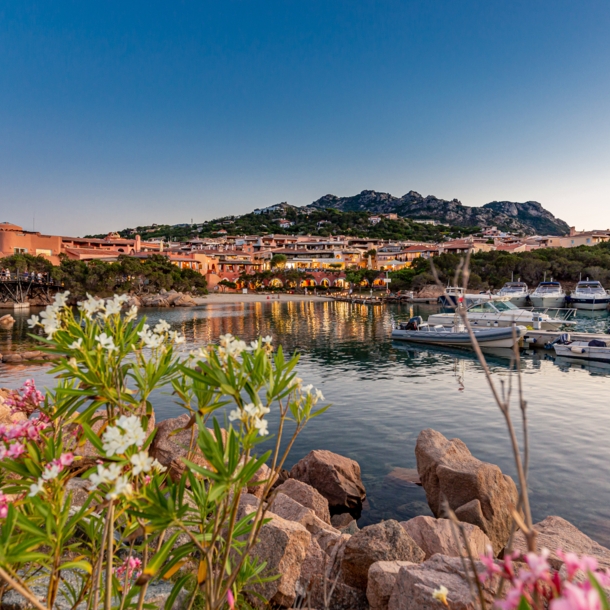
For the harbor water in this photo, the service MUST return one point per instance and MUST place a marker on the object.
(383, 394)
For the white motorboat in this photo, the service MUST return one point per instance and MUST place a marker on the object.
(548, 294)
(584, 350)
(589, 295)
(454, 295)
(499, 313)
(517, 292)
(417, 331)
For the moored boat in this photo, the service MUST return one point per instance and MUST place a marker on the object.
(517, 292)
(589, 295)
(548, 294)
(584, 350)
(500, 313)
(417, 331)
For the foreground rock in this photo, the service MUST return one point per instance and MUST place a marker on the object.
(476, 491)
(386, 541)
(6, 322)
(436, 536)
(283, 545)
(172, 442)
(336, 477)
(258, 482)
(557, 533)
(415, 585)
(6, 415)
(307, 496)
(382, 579)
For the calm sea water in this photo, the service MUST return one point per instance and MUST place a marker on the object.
(383, 394)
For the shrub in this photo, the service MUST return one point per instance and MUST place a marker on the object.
(137, 524)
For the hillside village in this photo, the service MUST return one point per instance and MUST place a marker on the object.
(238, 261)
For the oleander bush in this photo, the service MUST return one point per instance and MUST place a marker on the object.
(137, 524)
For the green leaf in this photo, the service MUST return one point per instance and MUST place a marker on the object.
(523, 604)
(602, 594)
(177, 588)
(159, 558)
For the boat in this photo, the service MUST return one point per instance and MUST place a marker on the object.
(501, 312)
(589, 295)
(454, 295)
(418, 331)
(518, 293)
(584, 350)
(548, 294)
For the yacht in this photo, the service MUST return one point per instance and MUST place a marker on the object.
(589, 295)
(518, 292)
(501, 312)
(548, 294)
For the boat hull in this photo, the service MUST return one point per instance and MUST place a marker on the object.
(600, 354)
(492, 337)
(548, 302)
(590, 304)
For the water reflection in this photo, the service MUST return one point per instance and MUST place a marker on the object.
(385, 393)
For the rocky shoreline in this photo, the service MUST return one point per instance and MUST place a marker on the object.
(324, 560)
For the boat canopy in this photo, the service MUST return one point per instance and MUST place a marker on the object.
(496, 306)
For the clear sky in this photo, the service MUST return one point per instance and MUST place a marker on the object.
(114, 114)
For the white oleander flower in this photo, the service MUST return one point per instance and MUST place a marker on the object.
(61, 298)
(51, 472)
(34, 321)
(318, 395)
(235, 415)
(36, 488)
(157, 466)
(307, 389)
(106, 342)
(261, 425)
(128, 431)
(113, 307)
(142, 462)
(162, 327)
(133, 428)
(176, 337)
(253, 345)
(122, 487)
(105, 475)
(131, 314)
(76, 344)
(268, 339)
(90, 306)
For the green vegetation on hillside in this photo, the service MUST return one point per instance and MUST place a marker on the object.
(101, 278)
(493, 269)
(318, 222)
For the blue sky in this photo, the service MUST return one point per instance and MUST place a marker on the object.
(114, 114)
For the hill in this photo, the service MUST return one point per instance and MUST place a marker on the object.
(528, 217)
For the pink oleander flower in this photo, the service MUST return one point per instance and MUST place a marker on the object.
(231, 599)
(3, 506)
(66, 459)
(15, 450)
(577, 597)
(132, 566)
(27, 400)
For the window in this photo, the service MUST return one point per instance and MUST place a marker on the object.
(20, 250)
(43, 251)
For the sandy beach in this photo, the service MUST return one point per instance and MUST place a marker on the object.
(233, 297)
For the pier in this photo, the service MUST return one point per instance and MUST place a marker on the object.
(19, 289)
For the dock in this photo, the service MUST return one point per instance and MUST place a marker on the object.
(537, 339)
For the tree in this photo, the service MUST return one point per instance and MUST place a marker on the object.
(278, 260)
